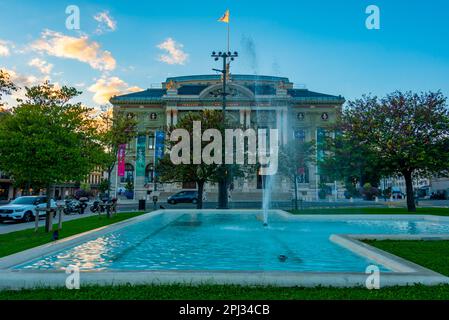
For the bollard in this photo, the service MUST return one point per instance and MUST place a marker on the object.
(36, 220)
(60, 209)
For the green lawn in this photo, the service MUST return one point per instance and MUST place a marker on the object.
(430, 254)
(215, 292)
(21, 240)
(373, 210)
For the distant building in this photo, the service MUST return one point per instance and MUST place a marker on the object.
(440, 186)
(253, 101)
(6, 187)
(60, 191)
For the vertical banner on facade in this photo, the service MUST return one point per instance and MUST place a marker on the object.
(159, 146)
(140, 156)
(121, 154)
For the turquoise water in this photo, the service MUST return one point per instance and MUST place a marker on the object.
(228, 242)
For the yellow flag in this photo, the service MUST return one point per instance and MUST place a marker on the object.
(225, 17)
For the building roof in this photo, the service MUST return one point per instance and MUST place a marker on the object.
(263, 88)
(193, 90)
(144, 96)
(236, 77)
(304, 94)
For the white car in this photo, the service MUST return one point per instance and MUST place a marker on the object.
(25, 208)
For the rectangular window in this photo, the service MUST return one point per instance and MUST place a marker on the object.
(151, 141)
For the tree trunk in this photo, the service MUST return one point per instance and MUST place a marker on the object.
(48, 215)
(199, 204)
(109, 181)
(410, 194)
(296, 192)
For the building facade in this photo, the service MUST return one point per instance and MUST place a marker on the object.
(259, 102)
(6, 188)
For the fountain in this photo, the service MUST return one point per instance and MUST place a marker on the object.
(250, 51)
(266, 198)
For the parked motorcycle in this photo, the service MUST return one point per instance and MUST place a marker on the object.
(72, 207)
(83, 204)
(96, 207)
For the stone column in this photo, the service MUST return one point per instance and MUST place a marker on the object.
(242, 117)
(285, 130)
(279, 124)
(248, 118)
(168, 112)
(175, 116)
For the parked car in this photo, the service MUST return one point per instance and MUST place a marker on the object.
(183, 197)
(25, 208)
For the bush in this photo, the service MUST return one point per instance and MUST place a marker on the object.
(369, 192)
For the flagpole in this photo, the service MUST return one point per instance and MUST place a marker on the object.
(228, 35)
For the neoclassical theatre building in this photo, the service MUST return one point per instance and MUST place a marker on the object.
(255, 101)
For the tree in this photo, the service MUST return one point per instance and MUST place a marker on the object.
(115, 129)
(168, 172)
(294, 158)
(6, 86)
(349, 160)
(47, 140)
(408, 132)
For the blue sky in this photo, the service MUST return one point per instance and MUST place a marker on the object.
(322, 44)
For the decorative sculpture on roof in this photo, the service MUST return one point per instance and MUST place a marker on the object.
(171, 85)
(282, 85)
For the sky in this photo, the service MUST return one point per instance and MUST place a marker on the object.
(126, 46)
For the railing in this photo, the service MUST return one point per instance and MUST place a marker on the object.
(299, 86)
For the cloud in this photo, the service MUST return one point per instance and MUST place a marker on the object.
(43, 66)
(174, 55)
(105, 88)
(105, 22)
(81, 49)
(4, 49)
(22, 81)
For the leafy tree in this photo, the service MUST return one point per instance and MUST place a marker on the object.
(294, 158)
(115, 129)
(48, 140)
(408, 133)
(349, 160)
(104, 186)
(6, 86)
(168, 172)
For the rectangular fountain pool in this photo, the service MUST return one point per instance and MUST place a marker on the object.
(216, 241)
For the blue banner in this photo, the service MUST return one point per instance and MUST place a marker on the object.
(159, 148)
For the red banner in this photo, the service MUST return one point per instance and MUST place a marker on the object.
(121, 160)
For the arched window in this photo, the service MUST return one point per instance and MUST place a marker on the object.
(129, 173)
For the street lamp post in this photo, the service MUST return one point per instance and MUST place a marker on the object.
(223, 181)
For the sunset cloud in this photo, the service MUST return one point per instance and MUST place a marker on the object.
(105, 22)
(105, 88)
(81, 49)
(42, 65)
(4, 49)
(22, 81)
(175, 54)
